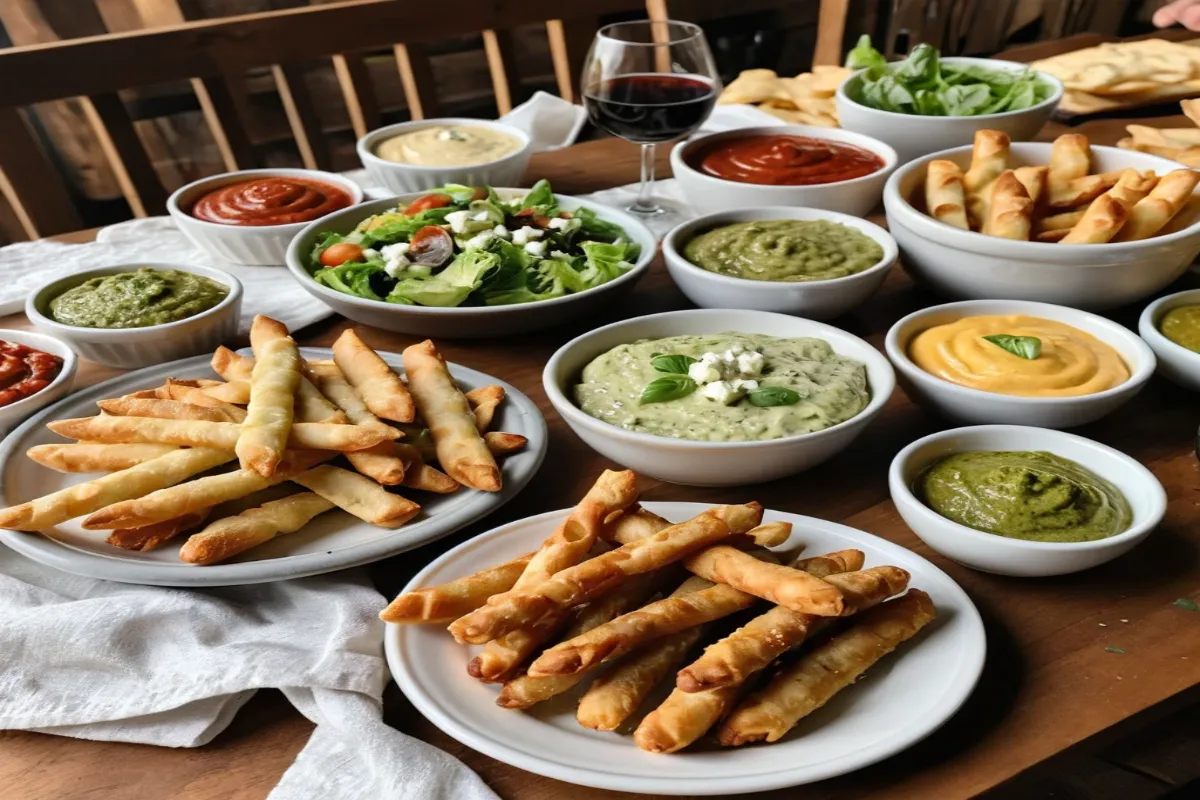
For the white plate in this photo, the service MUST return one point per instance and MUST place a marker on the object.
(333, 541)
(903, 699)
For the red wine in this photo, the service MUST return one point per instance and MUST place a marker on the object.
(648, 108)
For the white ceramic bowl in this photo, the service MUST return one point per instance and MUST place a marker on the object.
(980, 407)
(821, 299)
(1175, 362)
(1096, 276)
(913, 135)
(14, 413)
(1000, 554)
(856, 197)
(253, 245)
(132, 348)
(711, 463)
(406, 178)
(467, 321)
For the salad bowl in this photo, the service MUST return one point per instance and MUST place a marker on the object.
(510, 313)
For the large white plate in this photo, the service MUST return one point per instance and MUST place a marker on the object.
(334, 540)
(904, 698)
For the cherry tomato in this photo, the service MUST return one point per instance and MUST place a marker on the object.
(427, 202)
(431, 246)
(539, 220)
(481, 193)
(337, 254)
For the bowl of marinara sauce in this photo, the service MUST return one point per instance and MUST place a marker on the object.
(250, 217)
(35, 370)
(783, 165)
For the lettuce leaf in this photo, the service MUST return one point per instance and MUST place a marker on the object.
(353, 277)
(450, 287)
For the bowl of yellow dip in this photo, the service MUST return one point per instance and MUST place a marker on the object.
(1018, 362)
(1024, 501)
(424, 154)
(1171, 326)
(804, 261)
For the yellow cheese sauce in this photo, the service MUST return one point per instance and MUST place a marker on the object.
(1071, 363)
(448, 146)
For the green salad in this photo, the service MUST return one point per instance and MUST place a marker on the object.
(922, 84)
(465, 246)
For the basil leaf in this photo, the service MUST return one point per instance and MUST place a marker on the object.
(668, 387)
(1027, 347)
(676, 365)
(773, 396)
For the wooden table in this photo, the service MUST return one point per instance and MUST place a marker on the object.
(1049, 682)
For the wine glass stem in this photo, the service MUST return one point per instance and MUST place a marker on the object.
(645, 199)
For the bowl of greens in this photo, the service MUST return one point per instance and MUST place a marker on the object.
(463, 261)
(927, 103)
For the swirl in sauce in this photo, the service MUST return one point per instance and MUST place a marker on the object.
(270, 201)
(781, 160)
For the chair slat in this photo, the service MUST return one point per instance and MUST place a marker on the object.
(577, 37)
(125, 153)
(30, 182)
(416, 76)
(502, 64)
(302, 116)
(831, 32)
(358, 91)
(225, 123)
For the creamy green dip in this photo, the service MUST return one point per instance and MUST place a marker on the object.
(136, 299)
(1025, 495)
(784, 250)
(831, 389)
(1182, 326)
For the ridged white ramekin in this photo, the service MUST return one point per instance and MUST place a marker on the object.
(131, 348)
(407, 178)
(254, 245)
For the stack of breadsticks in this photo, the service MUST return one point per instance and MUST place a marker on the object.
(1059, 202)
(624, 597)
(170, 451)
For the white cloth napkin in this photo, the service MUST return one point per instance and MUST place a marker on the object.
(118, 662)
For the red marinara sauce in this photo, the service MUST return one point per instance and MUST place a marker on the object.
(270, 201)
(782, 160)
(25, 371)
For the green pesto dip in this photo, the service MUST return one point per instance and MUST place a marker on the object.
(1025, 495)
(829, 389)
(136, 299)
(784, 250)
(1182, 326)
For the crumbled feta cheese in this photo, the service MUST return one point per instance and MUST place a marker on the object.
(559, 254)
(458, 220)
(536, 249)
(481, 240)
(750, 364)
(558, 223)
(481, 216)
(370, 252)
(526, 234)
(390, 251)
(723, 392)
(729, 357)
(703, 373)
(502, 232)
(744, 385)
(395, 266)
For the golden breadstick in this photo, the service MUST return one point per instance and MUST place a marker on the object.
(94, 457)
(380, 462)
(311, 406)
(380, 388)
(201, 493)
(821, 673)
(502, 444)
(1010, 212)
(461, 451)
(264, 435)
(84, 498)
(1070, 159)
(449, 601)
(785, 586)
(1082, 190)
(565, 547)
(1132, 187)
(233, 392)
(419, 475)
(1099, 224)
(593, 577)
(171, 409)
(989, 158)
(1164, 201)
(220, 435)
(1055, 222)
(945, 197)
(763, 639)
(1034, 180)
(484, 402)
(361, 496)
(227, 537)
(638, 523)
(150, 537)
(1052, 236)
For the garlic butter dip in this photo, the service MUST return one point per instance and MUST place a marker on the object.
(448, 146)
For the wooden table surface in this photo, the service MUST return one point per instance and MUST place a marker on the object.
(1049, 682)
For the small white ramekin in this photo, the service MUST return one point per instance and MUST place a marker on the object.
(131, 348)
(983, 408)
(14, 413)
(406, 178)
(821, 299)
(1175, 362)
(1003, 555)
(253, 245)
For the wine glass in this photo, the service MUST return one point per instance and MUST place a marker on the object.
(649, 82)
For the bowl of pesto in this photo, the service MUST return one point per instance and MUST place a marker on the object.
(1171, 326)
(716, 397)
(803, 261)
(1028, 502)
(135, 315)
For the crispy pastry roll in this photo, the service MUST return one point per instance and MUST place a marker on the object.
(989, 158)
(1034, 180)
(220, 435)
(484, 402)
(1150, 214)
(945, 196)
(683, 718)
(1070, 159)
(419, 475)
(311, 406)
(1099, 224)
(785, 586)
(359, 495)
(449, 601)
(150, 537)
(500, 443)
(1082, 191)
(378, 385)
(94, 457)
(171, 409)
(264, 435)
(1063, 221)
(1010, 213)
(225, 538)
(380, 462)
